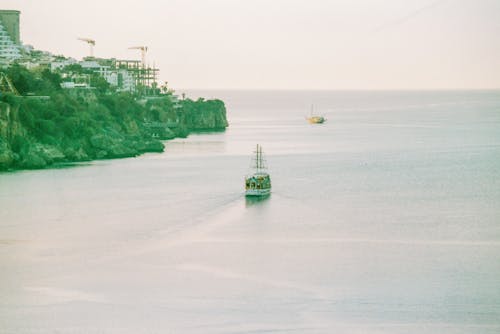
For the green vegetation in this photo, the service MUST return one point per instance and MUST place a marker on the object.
(48, 124)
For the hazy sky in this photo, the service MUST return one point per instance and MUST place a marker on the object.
(282, 44)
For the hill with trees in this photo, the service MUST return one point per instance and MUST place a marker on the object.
(43, 123)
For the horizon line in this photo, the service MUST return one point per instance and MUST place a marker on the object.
(339, 89)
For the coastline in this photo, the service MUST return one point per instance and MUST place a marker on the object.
(61, 164)
(64, 127)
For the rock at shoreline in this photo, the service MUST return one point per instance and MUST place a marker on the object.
(35, 156)
(6, 155)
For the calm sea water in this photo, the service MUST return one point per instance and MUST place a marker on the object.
(385, 219)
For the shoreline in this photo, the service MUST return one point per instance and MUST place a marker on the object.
(76, 163)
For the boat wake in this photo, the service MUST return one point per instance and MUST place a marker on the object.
(229, 211)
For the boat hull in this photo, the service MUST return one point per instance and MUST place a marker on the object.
(316, 119)
(257, 192)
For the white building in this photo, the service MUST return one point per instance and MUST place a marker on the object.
(9, 51)
(122, 79)
(59, 65)
(72, 85)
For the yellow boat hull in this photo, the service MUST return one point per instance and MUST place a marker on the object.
(316, 119)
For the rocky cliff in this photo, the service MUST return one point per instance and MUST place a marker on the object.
(204, 115)
(38, 133)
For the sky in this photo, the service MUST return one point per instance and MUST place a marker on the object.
(282, 44)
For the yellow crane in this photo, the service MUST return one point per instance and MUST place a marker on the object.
(91, 44)
(143, 49)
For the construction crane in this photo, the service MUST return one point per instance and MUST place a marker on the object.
(91, 44)
(143, 49)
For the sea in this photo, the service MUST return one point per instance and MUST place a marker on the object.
(384, 219)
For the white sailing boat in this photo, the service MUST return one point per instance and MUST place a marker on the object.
(259, 182)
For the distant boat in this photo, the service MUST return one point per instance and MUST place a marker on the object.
(259, 182)
(315, 119)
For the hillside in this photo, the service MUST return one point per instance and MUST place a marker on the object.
(46, 124)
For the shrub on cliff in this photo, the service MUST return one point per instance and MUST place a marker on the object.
(38, 82)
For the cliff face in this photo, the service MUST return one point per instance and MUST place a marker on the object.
(204, 115)
(35, 134)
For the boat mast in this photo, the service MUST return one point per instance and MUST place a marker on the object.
(259, 162)
(260, 157)
(257, 158)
